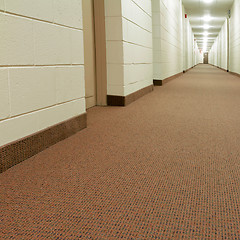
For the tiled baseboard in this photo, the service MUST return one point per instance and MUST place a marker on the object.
(27, 147)
(126, 100)
(166, 80)
(236, 74)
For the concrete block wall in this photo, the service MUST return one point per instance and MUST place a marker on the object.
(218, 55)
(219, 49)
(191, 53)
(156, 28)
(189, 44)
(198, 55)
(167, 38)
(234, 45)
(224, 46)
(41, 65)
(215, 52)
(129, 46)
(212, 55)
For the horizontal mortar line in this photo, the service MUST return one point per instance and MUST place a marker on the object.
(33, 66)
(136, 24)
(128, 84)
(129, 43)
(131, 22)
(142, 9)
(90, 96)
(40, 20)
(132, 83)
(123, 64)
(169, 32)
(40, 109)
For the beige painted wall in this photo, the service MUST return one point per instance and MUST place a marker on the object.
(218, 54)
(174, 49)
(41, 65)
(235, 38)
(89, 53)
(129, 46)
(189, 45)
(167, 38)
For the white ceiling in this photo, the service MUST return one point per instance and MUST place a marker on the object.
(198, 9)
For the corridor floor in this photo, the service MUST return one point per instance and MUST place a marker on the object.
(165, 167)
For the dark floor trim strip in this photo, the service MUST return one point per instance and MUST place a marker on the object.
(27, 147)
(222, 69)
(113, 100)
(184, 71)
(157, 82)
(166, 80)
(236, 74)
(172, 77)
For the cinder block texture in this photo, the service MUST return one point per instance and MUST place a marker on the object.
(41, 65)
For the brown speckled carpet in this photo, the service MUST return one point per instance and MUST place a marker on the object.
(165, 167)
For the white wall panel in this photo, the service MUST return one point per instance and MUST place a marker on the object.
(31, 8)
(129, 46)
(167, 38)
(218, 54)
(235, 38)
(39, 85)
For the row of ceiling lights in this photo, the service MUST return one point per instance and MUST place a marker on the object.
(206, 18)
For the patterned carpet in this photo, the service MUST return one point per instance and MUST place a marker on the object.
(165, 167)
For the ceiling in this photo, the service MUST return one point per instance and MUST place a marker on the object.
(206, 18)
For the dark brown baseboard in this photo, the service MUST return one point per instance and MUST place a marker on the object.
(223, 69)
(235, 74)
(219, 68)
(126, 100)
(157, 82)
(166, 80)
(184, 71)
(27, 147)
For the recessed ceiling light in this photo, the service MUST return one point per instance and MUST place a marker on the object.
(205, 33)
(207, 18)
(208, 1)
(206, 26)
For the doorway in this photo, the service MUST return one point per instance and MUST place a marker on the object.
(94, 53)
(205, 59)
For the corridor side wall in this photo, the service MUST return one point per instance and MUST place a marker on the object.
(234, 60)
(41, 65)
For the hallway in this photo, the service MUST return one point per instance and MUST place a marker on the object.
(164, 167)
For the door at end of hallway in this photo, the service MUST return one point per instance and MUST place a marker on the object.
(205, 58)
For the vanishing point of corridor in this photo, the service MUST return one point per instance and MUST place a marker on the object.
(164, 167)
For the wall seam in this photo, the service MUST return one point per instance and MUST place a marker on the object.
(40, 109)
(40, 20)
(142, 9)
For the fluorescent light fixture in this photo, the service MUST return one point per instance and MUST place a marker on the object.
(205, 33)
(207, 1)
(206, 26)
(207, 18)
